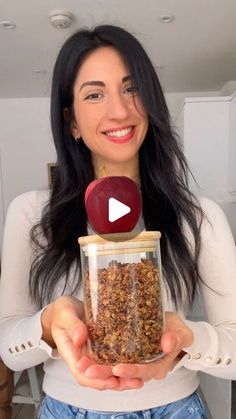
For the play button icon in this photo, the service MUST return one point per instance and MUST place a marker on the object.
(113, 204)
(117, 209)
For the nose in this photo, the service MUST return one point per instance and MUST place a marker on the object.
(118, 107)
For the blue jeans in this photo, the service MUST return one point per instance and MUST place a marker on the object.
(190, 407)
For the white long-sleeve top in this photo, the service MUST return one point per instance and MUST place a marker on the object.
(213, 350)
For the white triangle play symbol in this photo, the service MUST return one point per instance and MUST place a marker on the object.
(116, 209)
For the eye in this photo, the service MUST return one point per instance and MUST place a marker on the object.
(94, 96)
(131, 90)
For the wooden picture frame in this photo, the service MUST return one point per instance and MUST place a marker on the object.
(51, 173)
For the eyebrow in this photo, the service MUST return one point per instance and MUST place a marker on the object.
(100, 83)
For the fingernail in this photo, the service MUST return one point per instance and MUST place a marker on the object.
(115, 370)
(78, 367)
(88, 374)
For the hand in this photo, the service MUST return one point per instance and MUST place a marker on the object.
(64, 329)
(175, 337)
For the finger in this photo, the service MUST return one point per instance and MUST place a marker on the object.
(72, 357)
(66, 347)
(68, 320)
(125, 370)
(141, 372)
(174, 324)
(130, 384)
(103, 372)
(84, 363)
(111, 383)
(157, 369)
(99, 371)
(79, 333)
(93, 370)
(165, 365)
(69, 329)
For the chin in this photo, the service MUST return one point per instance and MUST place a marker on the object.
(121, 156)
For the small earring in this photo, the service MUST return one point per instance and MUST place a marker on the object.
(77, 139)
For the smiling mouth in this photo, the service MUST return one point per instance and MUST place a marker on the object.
(119, 133)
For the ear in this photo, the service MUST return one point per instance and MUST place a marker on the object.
(74, 129)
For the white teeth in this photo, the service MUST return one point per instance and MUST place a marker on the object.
(120, 133)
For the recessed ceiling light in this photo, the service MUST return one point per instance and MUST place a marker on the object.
(7, 24)
(60, 18)
(168, 18)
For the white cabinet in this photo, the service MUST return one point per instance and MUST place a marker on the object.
(206, 144)
(232, 149)
(208, 128)
(1, 206)
(208, 125)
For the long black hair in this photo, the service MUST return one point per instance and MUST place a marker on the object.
(167, 202)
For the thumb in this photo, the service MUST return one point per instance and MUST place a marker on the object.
(67, 320)
(79, 333)
(173, 341)
(76, 329)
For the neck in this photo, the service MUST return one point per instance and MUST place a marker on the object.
(129, 169)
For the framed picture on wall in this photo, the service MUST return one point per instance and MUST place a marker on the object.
(51, 173)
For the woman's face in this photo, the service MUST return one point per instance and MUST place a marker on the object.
(108, 112)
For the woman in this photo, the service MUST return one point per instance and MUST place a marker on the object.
(109, 114)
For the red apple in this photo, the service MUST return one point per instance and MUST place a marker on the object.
(101, 208)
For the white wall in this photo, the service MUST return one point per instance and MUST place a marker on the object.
(25, 145)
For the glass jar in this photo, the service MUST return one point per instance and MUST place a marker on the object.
(122, 295)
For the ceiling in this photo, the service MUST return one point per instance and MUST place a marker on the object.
(196, 52)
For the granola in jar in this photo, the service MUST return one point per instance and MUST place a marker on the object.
(124, 312)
